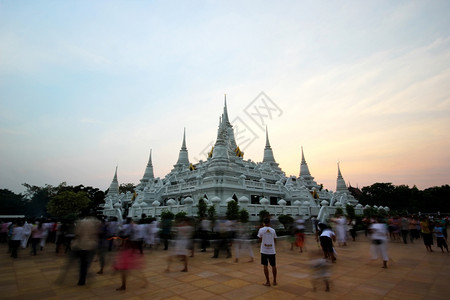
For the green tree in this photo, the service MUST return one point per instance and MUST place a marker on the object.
(350, 211)
(435, 199)
(11, 203)
(385, 194)
(370, 212)
(96, 196)
(68, 204)
(232, 210)
(378, 194)
(382, 213)
(403, 199)
(339, 211)
(127, 187)
(181, 215)
(285, 220)
(37, 198)
(263, 214)
(202, 208)
(166, 214)
(244, 215)
(212, 213)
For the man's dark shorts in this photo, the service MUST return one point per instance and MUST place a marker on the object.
(326, 243)
(268, 258)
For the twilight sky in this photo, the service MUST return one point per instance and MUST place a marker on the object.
(88, 85)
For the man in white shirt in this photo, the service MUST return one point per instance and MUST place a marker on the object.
(379, 235)
(16, 238)
(267, 236)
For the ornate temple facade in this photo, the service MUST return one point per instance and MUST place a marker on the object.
(226, 176)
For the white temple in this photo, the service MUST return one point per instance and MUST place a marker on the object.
(225, 176)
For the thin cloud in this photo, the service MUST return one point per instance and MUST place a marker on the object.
(91, 121)
(8, 131)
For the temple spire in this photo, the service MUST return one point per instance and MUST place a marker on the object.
(183, 158)
(149, 169)
(304, 170)
(183, 146)
(225, 112)
(114, 186)
(221, 151)
(267, 138)
(340, 182)
(228, 136)
(303, 156)
(268, 153)
(305, 176)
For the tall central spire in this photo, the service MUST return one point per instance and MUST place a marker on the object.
(268, 153)
(340, 182)
(183, 145)
(149, 169)
(304, 170)
(225, 112)
(230, 139)
(305, 175)
(114, 186)
(221, 151)
(183, 159)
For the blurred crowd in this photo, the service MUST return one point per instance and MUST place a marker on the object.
(90, 237)
(84, 239)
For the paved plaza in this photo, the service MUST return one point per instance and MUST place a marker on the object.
(412, 273)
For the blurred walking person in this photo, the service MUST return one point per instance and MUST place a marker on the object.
(379, 234)
(427, 233)
(440, 238)
(341, 230)
(36, 235)
(242, 242)
(128, 259)
(205, 229)
(102, 245)
(352, 228)
(222, 241)
(404, 228)
(182, 245)
(16, 238)
(320, 270)
(85, 244)
(26, 234)
(299, 234)
(414, 233)
(83, 247)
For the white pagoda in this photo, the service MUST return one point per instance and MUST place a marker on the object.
(225, 176)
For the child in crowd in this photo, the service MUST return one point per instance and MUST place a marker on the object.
(320, 270)
(440, 239)
(128, 259)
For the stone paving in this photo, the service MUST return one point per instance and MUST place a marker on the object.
(412, 273)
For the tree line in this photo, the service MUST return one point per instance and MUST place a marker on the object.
(72, 201)
(403, 199)
(62, 201)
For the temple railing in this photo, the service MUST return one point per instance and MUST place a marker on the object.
(253, 210)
